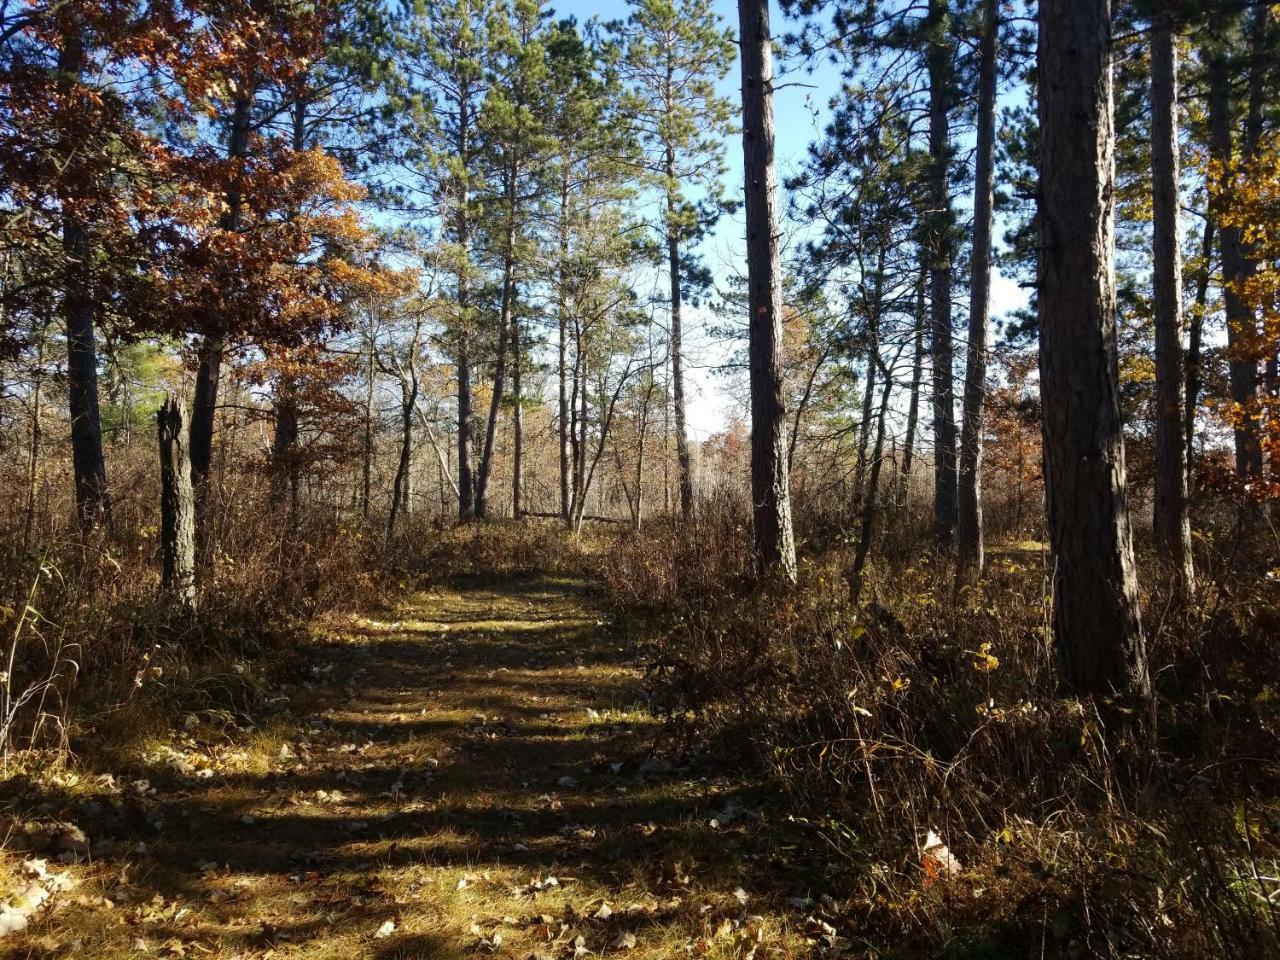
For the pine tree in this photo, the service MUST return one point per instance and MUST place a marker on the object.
(674, 56)
(770, 483)
(1096, 626)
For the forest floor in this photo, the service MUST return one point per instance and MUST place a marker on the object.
(469, 773)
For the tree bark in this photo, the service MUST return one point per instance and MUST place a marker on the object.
(402, 492)
(1241, 325)
(177, 504)
(946, 502)
(1193, 345)
(1171, 525)
(917, 376)
(500, 369)
(35, 440)
(685, 467)
(969, 545)
(869, 502)
(284, 446)
(366, 466)
(93, 505)
(871, 354)
(1096, 626)
(211, 347)
(770, 490)
(466, 484)
(517, 422)
(462, 230)
(562, 367)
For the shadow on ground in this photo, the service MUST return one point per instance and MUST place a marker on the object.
(473, 771)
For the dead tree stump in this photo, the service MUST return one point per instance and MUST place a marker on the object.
(177, 503)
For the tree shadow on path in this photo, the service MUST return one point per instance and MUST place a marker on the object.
(472, 771)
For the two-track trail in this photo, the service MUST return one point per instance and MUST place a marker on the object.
(468, 774)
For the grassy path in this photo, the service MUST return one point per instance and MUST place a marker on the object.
(468, 775)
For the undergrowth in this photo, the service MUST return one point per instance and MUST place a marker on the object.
(919, 718)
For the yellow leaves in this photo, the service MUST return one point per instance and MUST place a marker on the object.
(984, 660)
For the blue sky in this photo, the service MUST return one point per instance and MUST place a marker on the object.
(800, 109)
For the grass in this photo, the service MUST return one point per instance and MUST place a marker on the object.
(470, 772)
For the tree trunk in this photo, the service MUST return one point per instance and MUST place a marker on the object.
(1096, 625)
(402, 490)
(969, 545)
(466, 480)
(466, 485)
(284, 452)
(366, 466)
(945, 497)
(177, 504)
(1171, 525)
(677, 349)
(284, 446)
(1193, 345)
(562, 368)
(517, 422)
(1259, 67)
(211, 347)
(872, 354)
(35, 440)
(1241, 325)
(500, 369)
(869, 502)
(770, 490)
(917, 376)
(93, 506)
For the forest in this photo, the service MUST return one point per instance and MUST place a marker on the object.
(652, 479)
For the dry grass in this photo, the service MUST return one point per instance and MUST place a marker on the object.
(433, 766)
(1081, 831)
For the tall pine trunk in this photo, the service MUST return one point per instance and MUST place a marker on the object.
(35, 440)
(500, 367)
(366, 464)
(93, 506)
(969, 545)
(1096, 627)
(562, 359)
(870, 501)
(1241, 326)
(1171, 525)
(770, 490)
(517, 422)
(685, 468)
(284, 446)
(209, 371)
(917, 377)
(945, 502)
(284, 452)
(462, 234)
(1194, 339)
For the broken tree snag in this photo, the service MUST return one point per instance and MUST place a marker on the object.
(177, 503)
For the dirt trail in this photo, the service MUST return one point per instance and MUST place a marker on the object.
(470, 774)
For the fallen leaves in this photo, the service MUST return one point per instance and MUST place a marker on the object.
(39, 887)
(937, 860)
